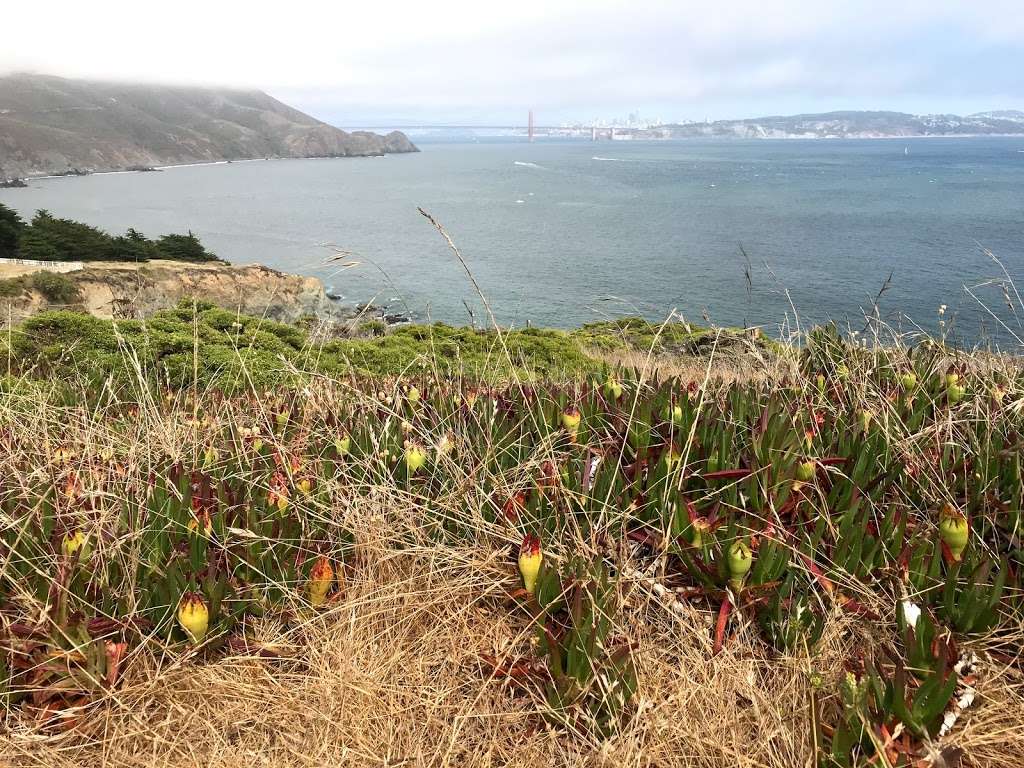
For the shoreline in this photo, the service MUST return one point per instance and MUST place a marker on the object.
(650, 139)
(173, 166)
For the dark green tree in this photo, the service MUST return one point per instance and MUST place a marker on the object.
(11, 227)
(49, 238)
(183, 248)
(52, 239)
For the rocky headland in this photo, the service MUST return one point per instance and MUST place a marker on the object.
(124, 290)
(51, 125)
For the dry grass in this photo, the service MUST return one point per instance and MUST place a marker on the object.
(392, 675)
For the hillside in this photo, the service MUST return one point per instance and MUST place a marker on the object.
(865, 125)
(52, 125)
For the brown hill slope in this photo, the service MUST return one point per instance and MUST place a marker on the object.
(52, 125)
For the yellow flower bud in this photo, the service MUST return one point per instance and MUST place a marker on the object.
(193, 524)
(321, 579)
(612, 389)
(673, 457)
(955, 393)
(739, 560)
(76, 542)
(865, 417)
(954, 530)
(209, 457)
(530, 558)
(571, 421)
(194, 616)
(700, 527)
(415, 458)
(805, 471)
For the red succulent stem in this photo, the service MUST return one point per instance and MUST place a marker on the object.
(723, 619)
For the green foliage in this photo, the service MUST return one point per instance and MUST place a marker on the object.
(882, 697)
(531, 353)
(13, 287)
(233, 351)
(53, 239)
(592, 675)
(639, 334)
(182, 248)
(235, 347)
(11, 228)
(49, 238)
(56, 287)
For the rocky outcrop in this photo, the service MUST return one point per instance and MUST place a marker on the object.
(133, 291)
(51, 125)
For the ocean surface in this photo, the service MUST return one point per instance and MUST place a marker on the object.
(559, 233)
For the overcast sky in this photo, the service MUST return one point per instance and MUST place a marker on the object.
(482, 62)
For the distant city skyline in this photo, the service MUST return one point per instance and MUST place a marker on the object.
(455, 61)
(634, 119)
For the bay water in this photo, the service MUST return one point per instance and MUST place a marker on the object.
(559, 233)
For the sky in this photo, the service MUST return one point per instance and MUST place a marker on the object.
(459, 62)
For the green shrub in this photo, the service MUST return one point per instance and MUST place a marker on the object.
(56, 288)
(13, 287)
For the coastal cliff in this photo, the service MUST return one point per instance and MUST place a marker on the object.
(121, 290)
(51, 125)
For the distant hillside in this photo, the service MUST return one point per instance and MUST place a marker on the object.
(853, 125)
(53, 125)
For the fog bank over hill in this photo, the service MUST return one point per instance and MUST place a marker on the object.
(52, 125)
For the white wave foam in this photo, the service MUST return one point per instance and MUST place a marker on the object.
(529, 165)
(610, 159)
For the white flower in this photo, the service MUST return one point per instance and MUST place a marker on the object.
(911, 613)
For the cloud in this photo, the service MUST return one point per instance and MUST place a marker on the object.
(569, 58)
